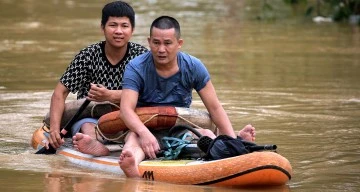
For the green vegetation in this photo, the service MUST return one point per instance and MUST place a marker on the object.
(334, 10)
(338, 10)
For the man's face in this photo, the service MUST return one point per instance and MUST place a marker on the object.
(117, 31)
(164, 45)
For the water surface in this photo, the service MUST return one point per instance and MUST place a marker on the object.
(297, 82)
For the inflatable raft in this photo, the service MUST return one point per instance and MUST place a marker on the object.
(253, 169)
(93, 109)
(263, 168)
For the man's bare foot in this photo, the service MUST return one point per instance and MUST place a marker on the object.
(128, 165)
(86, 144)
(247, 133)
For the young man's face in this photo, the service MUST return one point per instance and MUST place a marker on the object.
(117, 31)
(164, 45)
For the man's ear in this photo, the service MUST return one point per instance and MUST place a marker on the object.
(180, 42)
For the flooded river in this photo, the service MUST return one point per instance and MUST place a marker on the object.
(296, 81)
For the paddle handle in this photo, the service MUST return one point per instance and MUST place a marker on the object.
(66, 129)
(73, 120)
(261, 148)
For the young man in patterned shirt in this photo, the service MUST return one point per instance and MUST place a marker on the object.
(96, 71)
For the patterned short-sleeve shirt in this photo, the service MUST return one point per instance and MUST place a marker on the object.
(90, 65)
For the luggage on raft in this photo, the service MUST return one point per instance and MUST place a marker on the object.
(158, 118)
(93, 109)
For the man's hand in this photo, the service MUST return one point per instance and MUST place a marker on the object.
(149, 144)
(54, 140)
(98, 93)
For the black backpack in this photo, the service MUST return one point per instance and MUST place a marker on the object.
(223, 146)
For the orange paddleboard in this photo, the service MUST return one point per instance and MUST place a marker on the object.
(253, 169)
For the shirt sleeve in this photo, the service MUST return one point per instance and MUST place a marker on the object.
(132, 78)
(75, 74)
(201, 74)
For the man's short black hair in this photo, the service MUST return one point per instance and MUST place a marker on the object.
(118, 9)
(166, 22)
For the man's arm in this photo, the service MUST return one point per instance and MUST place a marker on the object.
(56, 111)
(148, 142)
(100, 93)
(217, 112)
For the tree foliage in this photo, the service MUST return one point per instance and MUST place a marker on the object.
(337, 10)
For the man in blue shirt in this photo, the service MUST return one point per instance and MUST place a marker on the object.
(171, 89)
(166, 76)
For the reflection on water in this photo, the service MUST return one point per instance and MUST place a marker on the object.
(58, 182)
(295, 81)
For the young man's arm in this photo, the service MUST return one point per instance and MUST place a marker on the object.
(56, 111)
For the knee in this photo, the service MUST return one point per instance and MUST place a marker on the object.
(87, 126)
(206, 132)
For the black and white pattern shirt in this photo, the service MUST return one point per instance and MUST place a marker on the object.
(90, 65)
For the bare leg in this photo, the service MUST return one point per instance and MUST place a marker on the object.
(86, 144)
(131, 156)
(247, 133)
(88, 129)
(206, 132)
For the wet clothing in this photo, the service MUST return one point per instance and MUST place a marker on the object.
(90, 65)
(141, 76)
